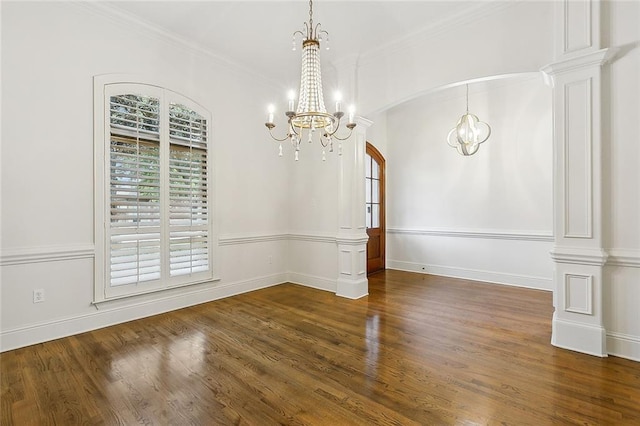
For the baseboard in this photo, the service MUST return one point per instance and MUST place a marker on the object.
(313, 281)
(104, 317)
(537, 283)
(623, 346)
(579, 337)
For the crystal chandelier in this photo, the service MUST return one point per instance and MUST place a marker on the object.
(311, 116)
(469, 133)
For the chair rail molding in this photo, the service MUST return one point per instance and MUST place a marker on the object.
(579, 256)
(229, 240)
(624, 258)
(476, 233)
(22, 256)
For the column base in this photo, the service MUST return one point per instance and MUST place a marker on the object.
(352, 289)
(579, 337)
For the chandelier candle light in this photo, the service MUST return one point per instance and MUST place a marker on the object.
(311, 115)
(469, 133)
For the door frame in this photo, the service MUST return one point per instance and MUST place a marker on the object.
(373, 152)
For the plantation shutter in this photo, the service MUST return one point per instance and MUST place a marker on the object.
(134, 197)
(188, 184)
(153, 183)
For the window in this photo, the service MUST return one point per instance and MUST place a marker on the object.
(372, 192)
(154, 190)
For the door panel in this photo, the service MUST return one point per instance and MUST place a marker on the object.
(374, 177)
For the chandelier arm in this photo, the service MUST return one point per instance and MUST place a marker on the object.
(345, 138)
(276, 139)
(336, 125)
(293, 129)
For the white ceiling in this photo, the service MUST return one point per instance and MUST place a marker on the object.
(257, 34)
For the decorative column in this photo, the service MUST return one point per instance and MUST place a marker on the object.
(352, 235)
(578, 320)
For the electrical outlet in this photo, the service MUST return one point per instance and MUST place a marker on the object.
(38, 295)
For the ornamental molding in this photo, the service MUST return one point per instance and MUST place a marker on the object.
(476, 233)
(579, 256)
(624, 257)
(22, 256)
(576, 63)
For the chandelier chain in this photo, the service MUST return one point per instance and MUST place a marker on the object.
(311, 17)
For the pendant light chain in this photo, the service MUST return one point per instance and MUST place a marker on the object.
(467, 98)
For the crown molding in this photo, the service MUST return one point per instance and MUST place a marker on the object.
(134, 23)
(480, 10)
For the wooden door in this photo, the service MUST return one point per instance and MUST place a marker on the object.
(374, 167)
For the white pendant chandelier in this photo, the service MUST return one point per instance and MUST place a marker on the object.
(311, 118)
(469, 133)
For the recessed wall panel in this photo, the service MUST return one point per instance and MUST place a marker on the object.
(577, 15)
(345, 262)
(578, 160)
(579, 294)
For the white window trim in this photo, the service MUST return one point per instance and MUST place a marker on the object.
(103, 292)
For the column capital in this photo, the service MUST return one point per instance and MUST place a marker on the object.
(576, 63)
(362, 123)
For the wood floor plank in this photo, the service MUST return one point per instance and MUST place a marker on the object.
(418, 350)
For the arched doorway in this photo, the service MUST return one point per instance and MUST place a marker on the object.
(375, 209)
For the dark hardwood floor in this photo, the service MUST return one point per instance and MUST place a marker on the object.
(419, 349)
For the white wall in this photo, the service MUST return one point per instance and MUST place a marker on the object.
(487, 216)
(50, 52)
(377, 135)
(313, 215)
